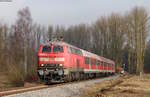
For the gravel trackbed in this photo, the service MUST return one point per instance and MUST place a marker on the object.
(66, 90)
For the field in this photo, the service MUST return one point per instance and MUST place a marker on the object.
(133, 86)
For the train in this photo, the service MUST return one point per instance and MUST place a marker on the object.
(59, 61)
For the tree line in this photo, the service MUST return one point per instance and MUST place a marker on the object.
(120, 37)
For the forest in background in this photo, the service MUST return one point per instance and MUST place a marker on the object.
(123, 38)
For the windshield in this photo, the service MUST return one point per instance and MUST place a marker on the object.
(46, 49)
(58, 49)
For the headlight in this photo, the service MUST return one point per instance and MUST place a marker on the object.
(42, 64)
(60, 64)
(41, 72)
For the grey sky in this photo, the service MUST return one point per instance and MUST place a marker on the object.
(67, 12)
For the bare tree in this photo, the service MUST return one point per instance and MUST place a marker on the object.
(139, 29)
(23, 25)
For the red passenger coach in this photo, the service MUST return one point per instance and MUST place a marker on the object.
(59, 61)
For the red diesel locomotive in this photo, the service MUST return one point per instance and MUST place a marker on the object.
(59, 61)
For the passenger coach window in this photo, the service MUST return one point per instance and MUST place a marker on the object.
(46, 49)
(93, 61)
(58, 49)
(102, 64)
(87, 60)
(97, 63)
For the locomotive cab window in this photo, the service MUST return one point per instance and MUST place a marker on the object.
(46, 49)
(58, 48)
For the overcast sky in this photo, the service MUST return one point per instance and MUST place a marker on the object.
(67, 12)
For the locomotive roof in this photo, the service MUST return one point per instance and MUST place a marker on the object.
(85, 53)
(89, 54)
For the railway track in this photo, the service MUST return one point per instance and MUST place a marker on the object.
(9, 92)
(22, 90)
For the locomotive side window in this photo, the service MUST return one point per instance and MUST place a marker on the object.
(58, 49)
(72, 50)
(79, 52)
(75, 51)
(46, 49)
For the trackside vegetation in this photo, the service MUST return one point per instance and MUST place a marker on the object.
(123, 38)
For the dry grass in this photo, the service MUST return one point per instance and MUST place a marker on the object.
(98, 89)
(130, 87)
(146, 76)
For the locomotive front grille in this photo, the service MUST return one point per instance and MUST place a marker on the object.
(50, 66)
(49, 70)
